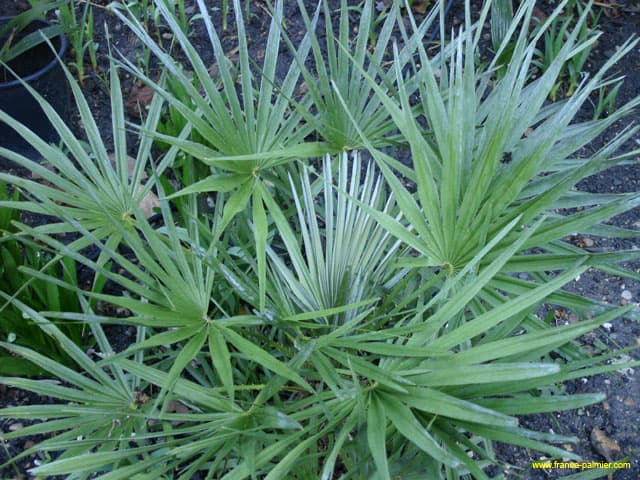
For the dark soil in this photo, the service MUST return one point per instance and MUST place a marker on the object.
(619, 417)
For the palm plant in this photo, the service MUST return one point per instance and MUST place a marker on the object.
(337, 323)
(338, 75)
(82, 180)
(331, 271)
(248, 127)
(385, 403)
(79, 181)
(490, 156)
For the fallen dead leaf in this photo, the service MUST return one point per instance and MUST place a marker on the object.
(177, 407)
(421, 7)
(605, 446)
(131, 165)
(150, 201)
(539, 14)
(138, 101)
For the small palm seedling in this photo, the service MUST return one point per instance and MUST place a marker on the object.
(84, 180)
(331, 271)
(248, 126)
(337, 74)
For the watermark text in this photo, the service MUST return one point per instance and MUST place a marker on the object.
(557, 465)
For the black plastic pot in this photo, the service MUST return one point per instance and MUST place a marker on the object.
(39, 68)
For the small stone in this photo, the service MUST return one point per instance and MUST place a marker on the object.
(626, 294)
(167, 35)
(29, 444)
(629, 402)
(607, 326)
(588, 242)
(22, 5)
(37, 176)
(606, 405)
(14, 427)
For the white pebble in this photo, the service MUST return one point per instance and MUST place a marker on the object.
(626, 294)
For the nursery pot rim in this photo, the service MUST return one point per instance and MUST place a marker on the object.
(43, 70)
